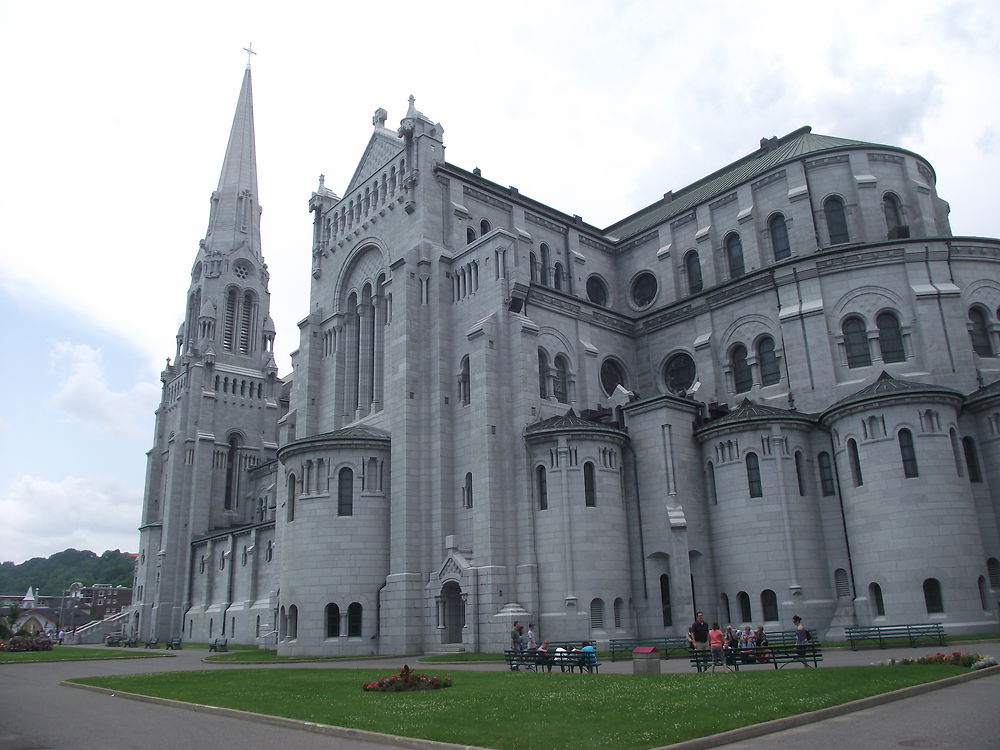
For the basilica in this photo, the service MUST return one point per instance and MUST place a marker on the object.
(775, 391)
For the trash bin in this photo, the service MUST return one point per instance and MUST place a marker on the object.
(645, 660)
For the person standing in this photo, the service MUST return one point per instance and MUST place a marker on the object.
(802, 637)
(532, 643)
(698, 633)
(716, 640)
(515, 637)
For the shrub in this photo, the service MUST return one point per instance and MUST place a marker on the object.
(955, 657)
(405, 679)
(27, 643)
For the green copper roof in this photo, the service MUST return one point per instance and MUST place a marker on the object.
(886, 386)
(750, 411)
(569, 422)
(771, 154)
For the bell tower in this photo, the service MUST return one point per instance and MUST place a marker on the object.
(220, 403)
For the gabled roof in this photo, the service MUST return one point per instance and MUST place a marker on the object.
(886, 386)
(771, 154)
(751, 412)
(382, 146)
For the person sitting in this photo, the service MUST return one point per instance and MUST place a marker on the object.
(761, 643)
(542, 656)
(746, 644)
(732, 644)
(561, 658)
(589, 656)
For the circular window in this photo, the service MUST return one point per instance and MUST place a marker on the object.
(679, 373)
(241, 270)
(597, 292)
(612, 375)
(644, 289)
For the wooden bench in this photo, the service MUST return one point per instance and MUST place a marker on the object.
(626, 645)
(131, 642)
(534, 661)
(174, 644)
(113, 640)
(219, 644)
(152, 643)
(930, 632)
(777, 655)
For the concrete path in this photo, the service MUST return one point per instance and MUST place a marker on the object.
(36, 712)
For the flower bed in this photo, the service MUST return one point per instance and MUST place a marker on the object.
(27, 643)
(955, 657)
(406, 679)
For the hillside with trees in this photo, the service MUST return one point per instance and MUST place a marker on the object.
(50, 576)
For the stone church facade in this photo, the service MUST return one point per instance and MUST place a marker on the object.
(773, 392)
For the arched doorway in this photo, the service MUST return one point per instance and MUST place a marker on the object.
(452, 610)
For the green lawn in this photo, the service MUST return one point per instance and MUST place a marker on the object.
(254, 655)
(527, 710)
(75, 654)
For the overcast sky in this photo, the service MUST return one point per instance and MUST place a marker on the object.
(116, 117)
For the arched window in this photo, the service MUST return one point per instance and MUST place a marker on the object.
(470, 235)
(856, 342)
(484, 227)
(826, 482)
(248, 323)
(597, 614)
(956, 452)
(679, 373)
(612, 375)
(543, 374)
(464, 379)
(354, 620)
(293, 622)
(713, 496)
(743, 600)
(724, 601)
(541, 488)
(979, 332)
(769, 605)
(561, 386)
(290, 509)
(345, 492)
(734, 256)
(895, 229)
(693, 267)
(753, 475)
(533, 263)
(597, 291)
(908, 454)
(855, 461)
(589, 485)
(984, 600)
(557, 274)
(332, 621)
(841, 584)
(875, 599)
(890, 337)
(229, 321)
(836, 220)
(467, 491)
(767, 360)
(932, 596)
(544, 250)
(742, 375)
(619, 613)
(779, 237)
(800, 473)
(668, 615)
(971, 460)
(232, 469)
(993, 569)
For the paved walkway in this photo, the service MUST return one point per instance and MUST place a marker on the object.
(37, 713)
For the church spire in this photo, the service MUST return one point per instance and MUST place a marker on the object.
(235, 216)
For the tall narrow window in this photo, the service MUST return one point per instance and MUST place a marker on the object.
(561, 386)
(855, 461)
(956, 452)
(893, 213)
(229, 321)
(932, 596)
(589, 485)
(713, 497)
(841, 584)
(470, 235)
(290, 509)
(619, 613)
(769, 605)
(232, 473)
(767, 360)
(247, 323)
(800, 473)
(908, 454)
(753, 475)
(980, 334)
(890, 337)
(734, 256)
(467, 490)
(984, 599)
(971, 459)
(597, 614)
(484, 227)
(693, 267)
(779, 237)
(826, 482)
(533, 268)
(875, 598)
(742, 375)
(743, 599)
(856, 343)
(345, 492)
(668, 615)
(332, 621)
(993, 569)
(354, 613)
(836, 220)
(540, 487)
(544, 250)
(557, 275)
(464, 383)
(724, 601)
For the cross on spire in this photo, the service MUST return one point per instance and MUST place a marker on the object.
(249, 51)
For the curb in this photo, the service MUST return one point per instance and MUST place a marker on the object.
(812, 717)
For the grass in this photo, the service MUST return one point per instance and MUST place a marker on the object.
(566, 711)
(461, 656)
(254, 655)
(75, 654)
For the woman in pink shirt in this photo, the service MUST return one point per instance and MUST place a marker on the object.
(715, 641)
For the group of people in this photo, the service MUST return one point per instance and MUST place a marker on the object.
(521, 640)
(747, 644)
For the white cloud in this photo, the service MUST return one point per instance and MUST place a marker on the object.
(85, 397)
(42, 517)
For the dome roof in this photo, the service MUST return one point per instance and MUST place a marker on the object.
(752, 412)
(570, 422)
(886, 386)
